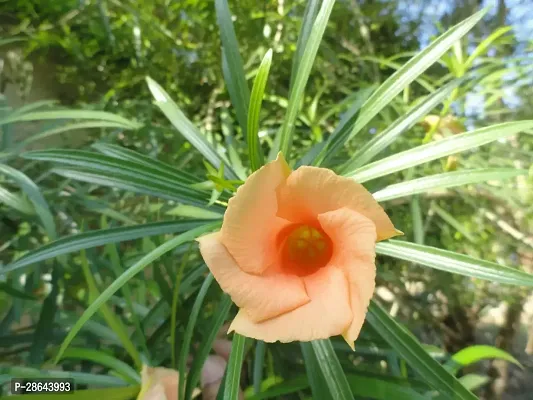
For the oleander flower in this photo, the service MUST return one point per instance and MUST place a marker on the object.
(296, 253)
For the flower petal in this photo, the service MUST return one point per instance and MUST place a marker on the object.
(327, 314)
(263, 296)
(158, 383)
(250, 222)
(310, 191)
(354, 236)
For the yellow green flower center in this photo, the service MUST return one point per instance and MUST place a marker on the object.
(305, 248)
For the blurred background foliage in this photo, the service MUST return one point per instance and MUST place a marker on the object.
(95, 54)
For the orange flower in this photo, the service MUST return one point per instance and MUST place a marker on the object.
(296, 253)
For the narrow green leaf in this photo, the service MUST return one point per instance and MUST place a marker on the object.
(315, 377)
(174, 309)
(104, 359)
(384, 139)
(10, 40)
(16, 201)
(130, 273)
(141, 159)
(258, 90)
(453, 222)
(33, 106)
(113, 167)
(70, 114)
(485, 44)
(308, 20)
(259, 359)
(87, 240)
(135, 184)
(35, 196)
(125, 393)
(187, 128)
(111, 319)
(414, 354)
(189, 331)
(234, 368)
(43, 333)
(444, 181)
(302, 75)
(432, 151)
(187, 211)
(219, 317)
(126, 292)
(412, 70)
(331, 370)
(418, 220)
(476, 353)
(456, 263)
(232, 64)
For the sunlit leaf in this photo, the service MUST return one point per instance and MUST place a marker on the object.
(258, 90)
(302, 75)
(444, 181)
(456, 263)
(432, 151)
(232, 64)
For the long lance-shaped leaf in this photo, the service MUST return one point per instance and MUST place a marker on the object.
(218, 319)
(456, 263)
(184, 126)
(35, 196)
(308, 20)
(87, 240)
(258, 90)
(70, 114)
(127, 275)
(414, 354)
(442, 148)
(134, 184)
(412, 70)
(234, 368)
(189, 331)
(331, 370)
(142, 159)
(315, 377)
(112, 166)
(232, 64)
(381, 141)
(302, 75)
(445, 180)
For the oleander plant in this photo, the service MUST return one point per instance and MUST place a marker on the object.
(334, 240)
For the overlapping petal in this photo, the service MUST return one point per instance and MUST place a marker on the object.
(262, 296)
(310, 191)
(354, 236)
(327, 314)
(250, 222)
